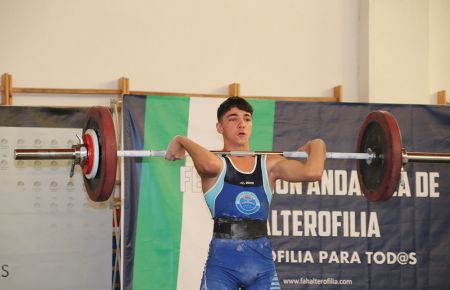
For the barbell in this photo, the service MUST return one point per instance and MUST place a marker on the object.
(380, 155)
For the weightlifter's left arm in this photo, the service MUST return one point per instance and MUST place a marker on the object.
(279, 167)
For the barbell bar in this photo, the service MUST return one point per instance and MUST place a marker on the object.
(380, 156)
(54, 154)
(34, 154)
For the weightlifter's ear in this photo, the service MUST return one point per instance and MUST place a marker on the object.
(219, 127)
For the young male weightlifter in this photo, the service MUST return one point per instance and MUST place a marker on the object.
(238, 192)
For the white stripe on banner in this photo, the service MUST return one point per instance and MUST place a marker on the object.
(197, 223)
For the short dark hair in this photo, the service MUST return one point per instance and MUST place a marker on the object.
(233, 102)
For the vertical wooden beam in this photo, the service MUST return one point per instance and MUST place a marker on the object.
(338, 92)
(124, 85)
(7, 89)
(442, 97)
(234, 90)
(124, 88)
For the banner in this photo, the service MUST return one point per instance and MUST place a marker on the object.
(325, 234)
(52, 237)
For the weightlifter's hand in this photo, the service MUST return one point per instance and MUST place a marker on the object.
(317, 145)
(175, 151)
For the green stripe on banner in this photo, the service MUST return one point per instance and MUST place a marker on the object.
(263, 121)
(158, 231)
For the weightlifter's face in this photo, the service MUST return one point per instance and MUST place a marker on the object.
(236, 126)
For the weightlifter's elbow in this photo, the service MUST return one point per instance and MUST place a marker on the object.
(307, 175)
(209, 168)
(314, 174)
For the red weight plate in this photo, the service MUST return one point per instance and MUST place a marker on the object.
(101, 186)
(87, 166)
(379, 177)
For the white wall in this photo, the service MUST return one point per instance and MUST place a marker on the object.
(285, 48)
(275, 48)
(399, 51)
(404, 50)
(439, 47)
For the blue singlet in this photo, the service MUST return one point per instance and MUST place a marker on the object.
(245, 264)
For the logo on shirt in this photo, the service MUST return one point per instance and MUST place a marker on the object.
(247, 202)
(247, 182)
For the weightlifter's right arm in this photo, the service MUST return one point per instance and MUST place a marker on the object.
(208, 164)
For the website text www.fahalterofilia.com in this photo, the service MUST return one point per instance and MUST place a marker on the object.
(316, 281)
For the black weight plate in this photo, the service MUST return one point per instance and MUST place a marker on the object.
(379, 177)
